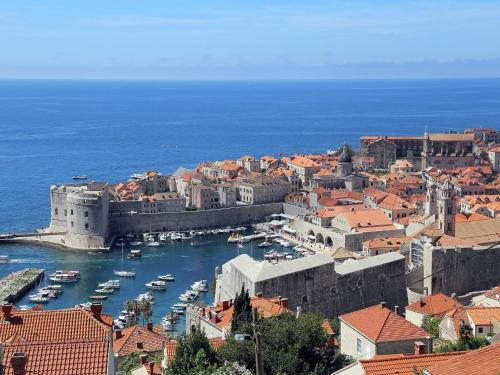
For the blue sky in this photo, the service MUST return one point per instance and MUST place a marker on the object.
(202, 39)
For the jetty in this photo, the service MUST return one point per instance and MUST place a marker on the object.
(16, 284)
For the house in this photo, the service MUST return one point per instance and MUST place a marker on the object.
(377, 330)
(482, 361)
(216, 320)
(490, 298)
(148, 339)
(55, 342)
(494, 156)
(436, 305)
(147, 367)
(481, 319)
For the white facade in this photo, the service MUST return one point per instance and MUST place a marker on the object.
(354, 343)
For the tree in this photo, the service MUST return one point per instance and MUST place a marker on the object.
(431, 325)
(242, 315)
(466, 341)
(193, 355)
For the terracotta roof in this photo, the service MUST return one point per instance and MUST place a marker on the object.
(493, 293)
(435, 304)
(460, 218)
(380, 324)
(71, 358)
(479, 232)
(386, 242)
(372, 219)
(481, 315)
(171, 346)
(484, 361)
(335, 210)
(446, 240)
(403, 364)
(151, 341)
(393, 202)
(451, 137)
(302, 161)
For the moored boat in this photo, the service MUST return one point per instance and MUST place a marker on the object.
(98, 298)
(124, 273)
(167, 277)
(133, 254)
(156, 285)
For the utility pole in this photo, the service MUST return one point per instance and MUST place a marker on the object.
(259, 361)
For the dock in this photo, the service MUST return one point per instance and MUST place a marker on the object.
(16, 284)
(253, 237)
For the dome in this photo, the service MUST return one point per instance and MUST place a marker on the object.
(345, 157)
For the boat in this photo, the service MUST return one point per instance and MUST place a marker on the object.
(179, 305)
(105, 290)
(133, 254)
(153, 243)
(136, 243)
(156, 285)
(112, 284)
(167, 277)
(4, 259)
(81, 177)
(167, 325)
(200, 286)
(163, 237)
(55, 287)
(265, 244)
(145, 296)
(235, 237)
(124, 273)
(62, 276)
(38, 298)
(178, 311)
(98, 298)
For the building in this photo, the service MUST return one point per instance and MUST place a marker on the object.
(387, 149)
(481, 319)
(435, 305)
(204, 197)
(171, 346)
(216, 320)
(302, 166)
(162, 202)
(490, 298)
(402, 166)
(486, 135)
(249, 163)
(377, 330)
(382, 245)
(494, 156)
(448, 151)
(55, 342)
(262, 189)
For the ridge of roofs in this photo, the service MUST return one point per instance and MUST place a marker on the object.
(152, 340)
(380, 324)
(434, 304)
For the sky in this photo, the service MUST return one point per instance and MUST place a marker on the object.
(257, 39)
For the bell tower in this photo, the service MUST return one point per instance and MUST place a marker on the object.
(446, 207)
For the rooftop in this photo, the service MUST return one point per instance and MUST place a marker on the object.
(129, 339)
(435, 304)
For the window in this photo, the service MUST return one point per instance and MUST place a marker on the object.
(65, 212)
(87, 226)
(56, 211)
(72, 224)
(480, 330)
(86, 214)
(71, 212)
(358, 346)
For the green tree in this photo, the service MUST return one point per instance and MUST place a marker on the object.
(431, 325)
(466, 341)
(193, 355)
(242, 315)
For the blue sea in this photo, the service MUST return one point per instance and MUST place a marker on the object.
(52, 130)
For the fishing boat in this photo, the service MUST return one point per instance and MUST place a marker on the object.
(98, 298)
(4, 259)
(80, 177)
(167, 277)
(136, 243)
(156, 285)
(105, 291)
(124, 273)
(133, 254)
(153, 243)
(265, 244)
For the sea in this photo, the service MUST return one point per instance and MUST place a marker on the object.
(107, 130)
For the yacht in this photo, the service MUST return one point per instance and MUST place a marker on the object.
(167, 277)
(265, 244)
(146, 296)
(105, 290)
(98, 298)
(4, 259)
(133, 254)
(153, 243)
(62, 276)
(157, 285)
(111, 284)
(39, 298)
(124, 273)
(176, 237)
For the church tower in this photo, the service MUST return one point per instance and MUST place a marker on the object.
(446, 207)
(344, 164)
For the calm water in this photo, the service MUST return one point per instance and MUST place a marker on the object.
(52, 130)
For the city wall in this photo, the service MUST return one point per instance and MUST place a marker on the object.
(125, 222)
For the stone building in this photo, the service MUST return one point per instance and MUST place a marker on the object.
(249, 163)
(302, 166)
(494, 156)
(385, 150)
(262, 189)
(448, 151)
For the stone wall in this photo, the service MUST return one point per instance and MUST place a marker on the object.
(122, 222)
(293, 210)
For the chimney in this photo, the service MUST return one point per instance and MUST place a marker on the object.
(284, 302)
(7, 311)
(419, 347)
(396, 309)
(225, 305)
(214, 319)
(118, 334)
(151, 367)
(18, 362)
(96, 309)
(149, 326)
(383, 305)
(231, 302)
(143, 358)
(422, 303)
(259, 295)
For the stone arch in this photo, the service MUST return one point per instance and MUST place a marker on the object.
(319, 238)
(328, 241)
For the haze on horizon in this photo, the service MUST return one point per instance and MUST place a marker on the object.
(222, 39)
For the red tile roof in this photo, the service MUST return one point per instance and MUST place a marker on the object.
(436, 304)
(403, 364)
(150, 341)
(380, 324)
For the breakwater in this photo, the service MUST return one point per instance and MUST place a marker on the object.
(16, 284)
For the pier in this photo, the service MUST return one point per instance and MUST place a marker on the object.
(16, 284)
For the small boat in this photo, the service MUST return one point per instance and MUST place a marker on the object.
(81, 177)
(234, 238)
(4, 259)
(124, 273)
(167, 277)
(136, 243)
(178, 311)
(157, 285)
(163, 237)
(179, 305)
(153, 243)
(38, 298)
(98, 298)
(133, 254)
(112, 284)
(69, 277)
(105, 291)
(265, 244)
(146, 296)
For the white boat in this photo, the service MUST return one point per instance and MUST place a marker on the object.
(178, 311)
(112, 284)
(167, 277)
(153, 243)
(134, 254)
(124, 273)
(64, 278)
(179, 305)
(38, 298)
(163, 237)
(157, 285)
(265, 244)
(184, 298)
(234, 238)
(136, 243)
(105, 290)
(146, 296)
(4, 259)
